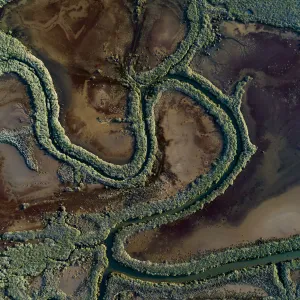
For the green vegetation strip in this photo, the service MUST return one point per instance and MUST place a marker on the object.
(206, 261)
(292, 286)
(195, 19)
(205, 188)
(265, 277)
(270, 12)
(51, 135)
(15, 58)
(60, 241)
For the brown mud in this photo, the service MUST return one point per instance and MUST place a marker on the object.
(263, 202)
(88, 121)
(232, 291)
(183, 131)
(83, 44)
(228, 291)
(295, 276)
(191, 139)
(71, 280)
(162, 27)
(86, 45)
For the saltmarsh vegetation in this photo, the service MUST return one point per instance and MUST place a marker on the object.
(51, 136)
(292, 286)
(22, 139)
(195, 20)
(206, 261)
(15, 58)
(233, 159)
(65, 173)
(265, 278)
(272, 12)
(47, 252)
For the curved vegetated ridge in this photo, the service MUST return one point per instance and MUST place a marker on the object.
(83, 255)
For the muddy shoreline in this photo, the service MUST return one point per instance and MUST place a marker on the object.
(270, 108)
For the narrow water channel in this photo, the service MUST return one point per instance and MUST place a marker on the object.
(115, 266)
